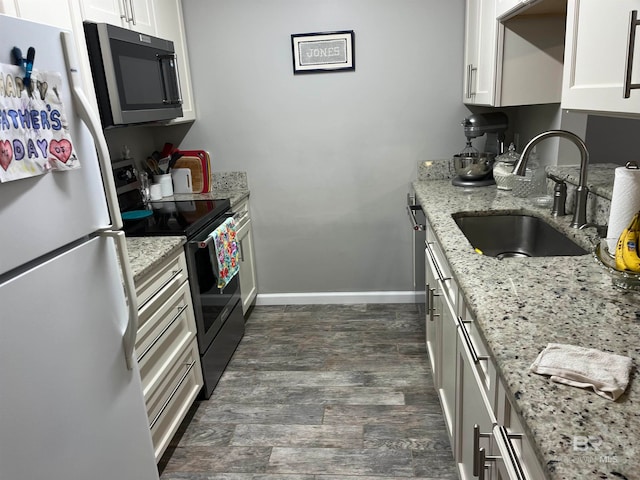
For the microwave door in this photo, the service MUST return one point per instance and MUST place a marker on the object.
(140, 82)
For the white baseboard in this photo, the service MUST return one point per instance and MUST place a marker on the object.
(338, 298)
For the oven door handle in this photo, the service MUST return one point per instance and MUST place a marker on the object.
(207, 241)
(213, 258)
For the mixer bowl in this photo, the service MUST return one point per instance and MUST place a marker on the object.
(473, 166)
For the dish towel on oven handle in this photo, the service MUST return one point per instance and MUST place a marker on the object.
(606, 373)
(226, 248)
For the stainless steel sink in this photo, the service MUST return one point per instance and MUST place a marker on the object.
(515, 235)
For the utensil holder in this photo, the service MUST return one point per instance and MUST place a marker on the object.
(166, 185)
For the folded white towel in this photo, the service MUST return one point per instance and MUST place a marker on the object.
(606, 373)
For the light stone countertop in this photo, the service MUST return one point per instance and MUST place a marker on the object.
(146, 252)
(231, 185)
(521, 305)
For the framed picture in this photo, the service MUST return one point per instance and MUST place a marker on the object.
(323, 52)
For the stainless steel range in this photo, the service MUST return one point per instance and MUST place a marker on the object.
(218, 312)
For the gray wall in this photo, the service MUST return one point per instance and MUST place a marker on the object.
(330, 156)
(612, 140)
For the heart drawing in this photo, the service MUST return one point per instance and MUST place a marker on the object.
(60, 149)
(6, 154)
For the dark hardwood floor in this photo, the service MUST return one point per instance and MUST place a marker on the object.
(320, 392)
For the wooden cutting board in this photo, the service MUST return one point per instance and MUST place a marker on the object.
(200, 165)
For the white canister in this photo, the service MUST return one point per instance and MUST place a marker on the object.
(165, 184)
(155, 191)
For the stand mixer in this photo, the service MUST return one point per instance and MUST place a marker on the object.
(473, 168)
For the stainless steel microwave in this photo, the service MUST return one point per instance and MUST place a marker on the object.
(135, 75)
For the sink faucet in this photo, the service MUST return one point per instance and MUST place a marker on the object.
(580, 211)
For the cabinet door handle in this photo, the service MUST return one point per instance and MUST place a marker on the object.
(124, 12)
(482, 461)
(470, 90)
(628, 86)
(241, 251)
(478, 453)
(133, 13)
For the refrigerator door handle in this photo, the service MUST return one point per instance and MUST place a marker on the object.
(89, 117)
(129, 337)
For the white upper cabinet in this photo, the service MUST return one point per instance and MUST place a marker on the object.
(135, 15)
(480, 47)
(170, 26)
(597, 53)
(513, 52)
(57, 14)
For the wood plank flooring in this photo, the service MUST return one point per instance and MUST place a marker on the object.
(318, 392)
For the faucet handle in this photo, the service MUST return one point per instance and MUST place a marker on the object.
(601, 229)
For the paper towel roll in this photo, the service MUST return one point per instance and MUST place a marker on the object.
(625, 202)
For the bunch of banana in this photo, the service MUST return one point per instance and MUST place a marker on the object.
(627, 257)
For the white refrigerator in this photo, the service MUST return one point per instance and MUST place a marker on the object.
(71, 402)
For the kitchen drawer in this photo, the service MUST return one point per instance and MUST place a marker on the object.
(241, 207)
(162, 281)
(524, 452)
(488, 374)
(162, 338)
(438, 258)
(170, 402)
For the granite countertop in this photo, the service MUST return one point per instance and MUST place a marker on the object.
(146, 252)
(231, 185)
(521, 305)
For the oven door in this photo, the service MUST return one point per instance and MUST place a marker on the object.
(212, 305)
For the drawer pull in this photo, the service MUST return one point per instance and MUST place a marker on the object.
(503, 439)
(173, 392)
(181, 309)
(467, 339)
(174, 274)
(435, 263)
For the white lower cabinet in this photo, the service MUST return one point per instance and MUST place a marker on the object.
(166, 348)
(247, 274)
(486, 435)
(474, 418)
